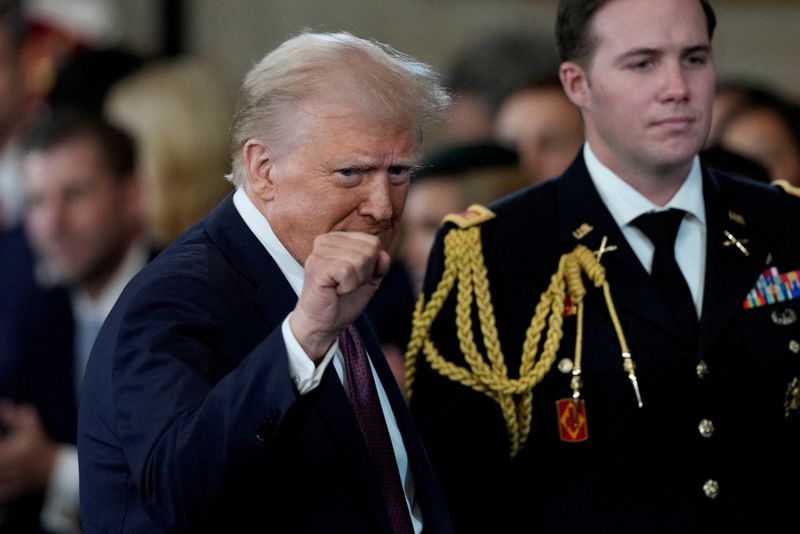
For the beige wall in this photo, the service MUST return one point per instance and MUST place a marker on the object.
(759, 39)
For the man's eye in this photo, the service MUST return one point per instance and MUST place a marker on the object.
(644, 64)
(399, 173)
(346, 172)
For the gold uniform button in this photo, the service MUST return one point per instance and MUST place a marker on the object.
(706, 428)
(711, 488)
(702, 369)
(794, 346)
(565, 365)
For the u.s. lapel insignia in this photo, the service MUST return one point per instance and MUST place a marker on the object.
(730, 240)
(603, 248)
(572, 426)
(736, 217)
(581, 231)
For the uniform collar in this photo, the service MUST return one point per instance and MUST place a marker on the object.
(626, 203)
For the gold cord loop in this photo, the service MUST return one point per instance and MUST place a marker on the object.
(464, 266)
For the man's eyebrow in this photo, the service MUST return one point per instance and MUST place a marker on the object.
(647, 51)
(697, 48)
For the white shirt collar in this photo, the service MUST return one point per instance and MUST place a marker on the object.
(98, 308)
(626, 203)
(258, 224)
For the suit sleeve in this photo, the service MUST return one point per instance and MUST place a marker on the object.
(193, 418)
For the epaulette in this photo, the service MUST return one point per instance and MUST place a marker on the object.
(787, 187)
(475, 214)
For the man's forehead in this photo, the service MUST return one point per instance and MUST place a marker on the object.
(629, 25)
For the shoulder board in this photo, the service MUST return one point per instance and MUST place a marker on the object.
(787, 187)
(475, 214)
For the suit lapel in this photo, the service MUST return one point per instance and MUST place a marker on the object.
(730, 274)
(274, 297)
(632, 289)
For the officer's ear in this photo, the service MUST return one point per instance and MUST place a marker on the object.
(575, 81)
(258, 165)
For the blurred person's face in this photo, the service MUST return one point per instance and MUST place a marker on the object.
(340, 171)
(763, 136)
(647, 91)
(11, 86)
(725, 102)
(468, 119)
(428, 202)
(79, 216)
(545, 129)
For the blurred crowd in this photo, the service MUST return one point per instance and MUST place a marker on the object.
(106, 157)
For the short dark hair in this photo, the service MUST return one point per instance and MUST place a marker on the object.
(572, 27)
(11, 22)
(117, 148)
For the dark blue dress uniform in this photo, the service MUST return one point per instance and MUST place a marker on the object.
(714, 446)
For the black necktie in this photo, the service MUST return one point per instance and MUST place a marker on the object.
(662, 228)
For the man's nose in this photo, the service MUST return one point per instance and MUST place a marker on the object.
(377, 202)
(676, 87)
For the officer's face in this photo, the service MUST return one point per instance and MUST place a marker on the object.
(343, 171)
(646, 93)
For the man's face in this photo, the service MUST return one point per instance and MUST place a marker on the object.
(428, 202)
(78, 214)
(544, 127)
(647, 92)
(341, 171)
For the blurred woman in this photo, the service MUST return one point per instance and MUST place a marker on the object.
(179, 113)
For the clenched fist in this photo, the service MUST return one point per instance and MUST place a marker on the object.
(342, 273)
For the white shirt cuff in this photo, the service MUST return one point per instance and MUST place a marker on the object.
(305, 374)
(61, 508)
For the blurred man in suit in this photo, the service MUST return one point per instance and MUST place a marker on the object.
(235, 386)
(82, 221)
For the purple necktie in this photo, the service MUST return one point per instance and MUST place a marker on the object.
(367, 408)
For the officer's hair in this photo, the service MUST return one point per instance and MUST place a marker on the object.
(373, 77)
(117, 148)
(573, 34)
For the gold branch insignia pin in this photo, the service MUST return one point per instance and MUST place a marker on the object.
(603, 248)
(738, 243)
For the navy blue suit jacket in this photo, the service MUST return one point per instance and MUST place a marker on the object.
(641, 469)
(189, 420)
(36, 359)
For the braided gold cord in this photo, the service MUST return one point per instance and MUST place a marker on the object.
(464, 265)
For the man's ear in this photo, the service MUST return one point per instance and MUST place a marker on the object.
(258, 165)
(575, 81)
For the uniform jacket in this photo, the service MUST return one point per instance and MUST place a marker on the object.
(189, 420)
(641, 469)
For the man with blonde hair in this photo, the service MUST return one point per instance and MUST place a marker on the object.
(235, 385)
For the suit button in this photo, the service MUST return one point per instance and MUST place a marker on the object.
(706, 428)
(702, 369)
(711, 488)
(794, 346)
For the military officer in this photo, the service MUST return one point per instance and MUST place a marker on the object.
(618, 350)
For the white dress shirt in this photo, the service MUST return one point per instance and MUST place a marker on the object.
(625, 204)
(305, 374)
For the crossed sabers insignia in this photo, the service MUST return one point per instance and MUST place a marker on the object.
(738, 243)
(603, 248)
